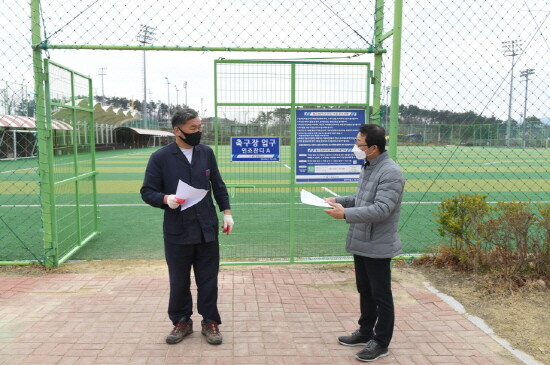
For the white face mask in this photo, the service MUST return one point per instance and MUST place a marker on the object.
(359, 154)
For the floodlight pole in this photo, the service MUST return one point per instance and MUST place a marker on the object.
(102, 72)
(177, 95)
(185, 87)
(511, 48)
(525, 74)
(168, 87)
(145, 36)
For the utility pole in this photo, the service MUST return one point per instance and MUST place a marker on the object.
(159, 115)
(102, 72)
(185, 87)
(25, 98)
(152, 114)
(145, 36)
(177, 95)
(168, 83)
(513, 49)
(526, 73)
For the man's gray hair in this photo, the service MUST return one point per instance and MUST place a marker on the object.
(182, 115)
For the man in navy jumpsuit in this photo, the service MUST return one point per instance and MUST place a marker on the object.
(190, 235)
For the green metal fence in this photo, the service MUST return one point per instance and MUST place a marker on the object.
(463, 87)
(260, 98)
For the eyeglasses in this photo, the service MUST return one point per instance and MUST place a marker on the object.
(357, 143)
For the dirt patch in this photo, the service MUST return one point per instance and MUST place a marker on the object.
(103, 267)
(521, 318)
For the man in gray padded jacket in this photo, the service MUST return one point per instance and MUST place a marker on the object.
(373, 216)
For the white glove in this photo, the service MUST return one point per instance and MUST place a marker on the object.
(227, 223)
(174, 202)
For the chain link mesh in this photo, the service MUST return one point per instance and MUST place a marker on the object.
(260, 24)
(20, 215)
(468, 122)
(474, 112)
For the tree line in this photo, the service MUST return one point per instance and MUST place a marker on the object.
(412, 114)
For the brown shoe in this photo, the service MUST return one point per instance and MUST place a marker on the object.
(212, 333)
(183, 328)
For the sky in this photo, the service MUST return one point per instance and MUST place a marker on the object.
(452, 55)
(124, 74)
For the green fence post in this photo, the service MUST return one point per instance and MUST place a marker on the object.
(395, 76)
(44, 135)
(216, 108)
(292, 188)
(378, 29)
(91, 124)
(368, 79)
(76, 172)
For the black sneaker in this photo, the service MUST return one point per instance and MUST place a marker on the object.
(372, 352)
(356, 339)
(211, 332)
(183, 328)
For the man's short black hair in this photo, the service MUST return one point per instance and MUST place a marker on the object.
(376, 135)
(182, 115)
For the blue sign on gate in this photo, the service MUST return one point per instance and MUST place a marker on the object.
(324, 140)
(255, 148)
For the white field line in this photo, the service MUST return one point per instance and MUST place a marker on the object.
(102, 158)
(12, 171)
(235, 204)
(329, 191)
(496, 162)
(125, 154)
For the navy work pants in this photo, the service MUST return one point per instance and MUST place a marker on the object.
(205, 260)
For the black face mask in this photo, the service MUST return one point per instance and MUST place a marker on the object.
(191, 139)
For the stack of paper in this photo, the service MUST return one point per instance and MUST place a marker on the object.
(311, 199)
(191, 195)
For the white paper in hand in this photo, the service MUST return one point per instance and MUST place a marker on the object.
(191, 195)
(311, 199)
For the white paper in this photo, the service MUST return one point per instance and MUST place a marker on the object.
(191, 195)
(311, 199)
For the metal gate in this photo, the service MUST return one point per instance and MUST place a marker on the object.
(259, 101)
(67, 164)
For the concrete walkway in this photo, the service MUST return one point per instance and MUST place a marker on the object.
(272, 315)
